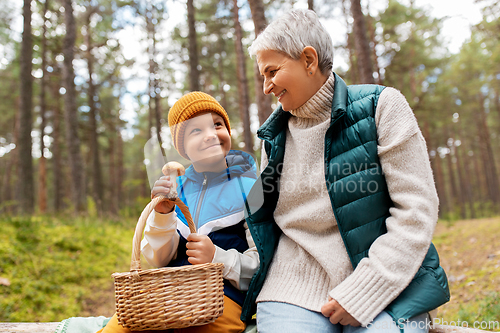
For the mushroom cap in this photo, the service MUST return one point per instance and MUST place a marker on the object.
(173, 166)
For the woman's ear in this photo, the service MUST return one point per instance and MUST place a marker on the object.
(310, 58)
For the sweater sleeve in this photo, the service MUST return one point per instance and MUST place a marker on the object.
(263, 158)
(239, 267)
(161, 239)
(395, 257)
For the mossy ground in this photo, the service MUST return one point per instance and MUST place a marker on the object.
(58, 268)
(470, 254)
(54, 268)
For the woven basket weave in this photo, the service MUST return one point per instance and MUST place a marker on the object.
(169, 297)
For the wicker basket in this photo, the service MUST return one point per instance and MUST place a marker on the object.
(169, 297)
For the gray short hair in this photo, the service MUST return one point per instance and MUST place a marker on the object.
(292, 32)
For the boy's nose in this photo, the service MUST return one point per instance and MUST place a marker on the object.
(211, 134)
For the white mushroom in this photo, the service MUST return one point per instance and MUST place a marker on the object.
(173, 169)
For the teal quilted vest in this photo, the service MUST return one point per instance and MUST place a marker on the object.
(354, 180)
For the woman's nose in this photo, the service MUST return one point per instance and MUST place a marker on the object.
(268, 85)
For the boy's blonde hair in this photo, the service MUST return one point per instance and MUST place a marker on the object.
(187, 107)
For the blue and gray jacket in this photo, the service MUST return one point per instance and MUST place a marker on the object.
(216, 201)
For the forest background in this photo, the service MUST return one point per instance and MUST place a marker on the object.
(79, 116)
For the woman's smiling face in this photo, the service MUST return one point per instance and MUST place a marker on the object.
(207, 142)
(288, 79)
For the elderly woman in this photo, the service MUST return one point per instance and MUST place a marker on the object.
(349, 203)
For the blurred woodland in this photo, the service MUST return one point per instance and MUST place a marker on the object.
(68, 143)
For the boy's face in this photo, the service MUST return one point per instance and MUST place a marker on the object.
(207, 142)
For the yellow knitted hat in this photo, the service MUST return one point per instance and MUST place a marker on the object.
(187, 107)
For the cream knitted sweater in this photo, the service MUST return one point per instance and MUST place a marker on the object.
(311, 263)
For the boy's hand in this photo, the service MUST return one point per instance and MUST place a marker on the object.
(163, 186)
(337, 314)
(200, 249)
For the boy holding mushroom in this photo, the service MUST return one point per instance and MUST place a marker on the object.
(214, 188)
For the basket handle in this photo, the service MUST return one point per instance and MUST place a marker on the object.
(135, 262)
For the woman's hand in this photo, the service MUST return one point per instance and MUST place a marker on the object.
(337, 314)
(163, 186)
(200, 249)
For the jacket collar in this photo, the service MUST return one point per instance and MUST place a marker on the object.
(339, 101)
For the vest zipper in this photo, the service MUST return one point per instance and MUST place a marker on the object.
(200, 201)
(328, 140)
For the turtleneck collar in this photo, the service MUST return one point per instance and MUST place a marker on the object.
(318, 108)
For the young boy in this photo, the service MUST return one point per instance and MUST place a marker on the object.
(214, 188)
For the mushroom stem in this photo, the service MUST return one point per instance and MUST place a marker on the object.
(173, 169)
(173, 179)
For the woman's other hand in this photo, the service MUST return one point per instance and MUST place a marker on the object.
(337, 314)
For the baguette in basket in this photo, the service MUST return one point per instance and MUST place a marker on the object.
(208, 270)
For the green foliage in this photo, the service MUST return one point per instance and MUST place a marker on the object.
(412, 49)
(54, 264)
(217, 60)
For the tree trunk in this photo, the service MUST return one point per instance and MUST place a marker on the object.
(78, 190)
(113, 174)
(97, 187)
(497, 107)
(157, 112)
(59, 174)
(150, 32)
(120, 171)
(310, 4)
(42, 186)
(264, 102)
(371, 29)
(241, 74)
(481, 197)
(25, 195)
(362, 44)
(451, 175)
(353, 69)
(194, 73)
(6, 183)
(158, 121)
(154, 86)
(7, 193)
(468, 178)
(469, 192)
(462, 181)
(221, 77)
(487, 153)
(440, 184)
(438, 172)
(496, 96)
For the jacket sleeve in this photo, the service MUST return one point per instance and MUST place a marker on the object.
(161, 239)
(239, 267)
(395, 257)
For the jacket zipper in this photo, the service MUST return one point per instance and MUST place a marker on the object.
(200, 201)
